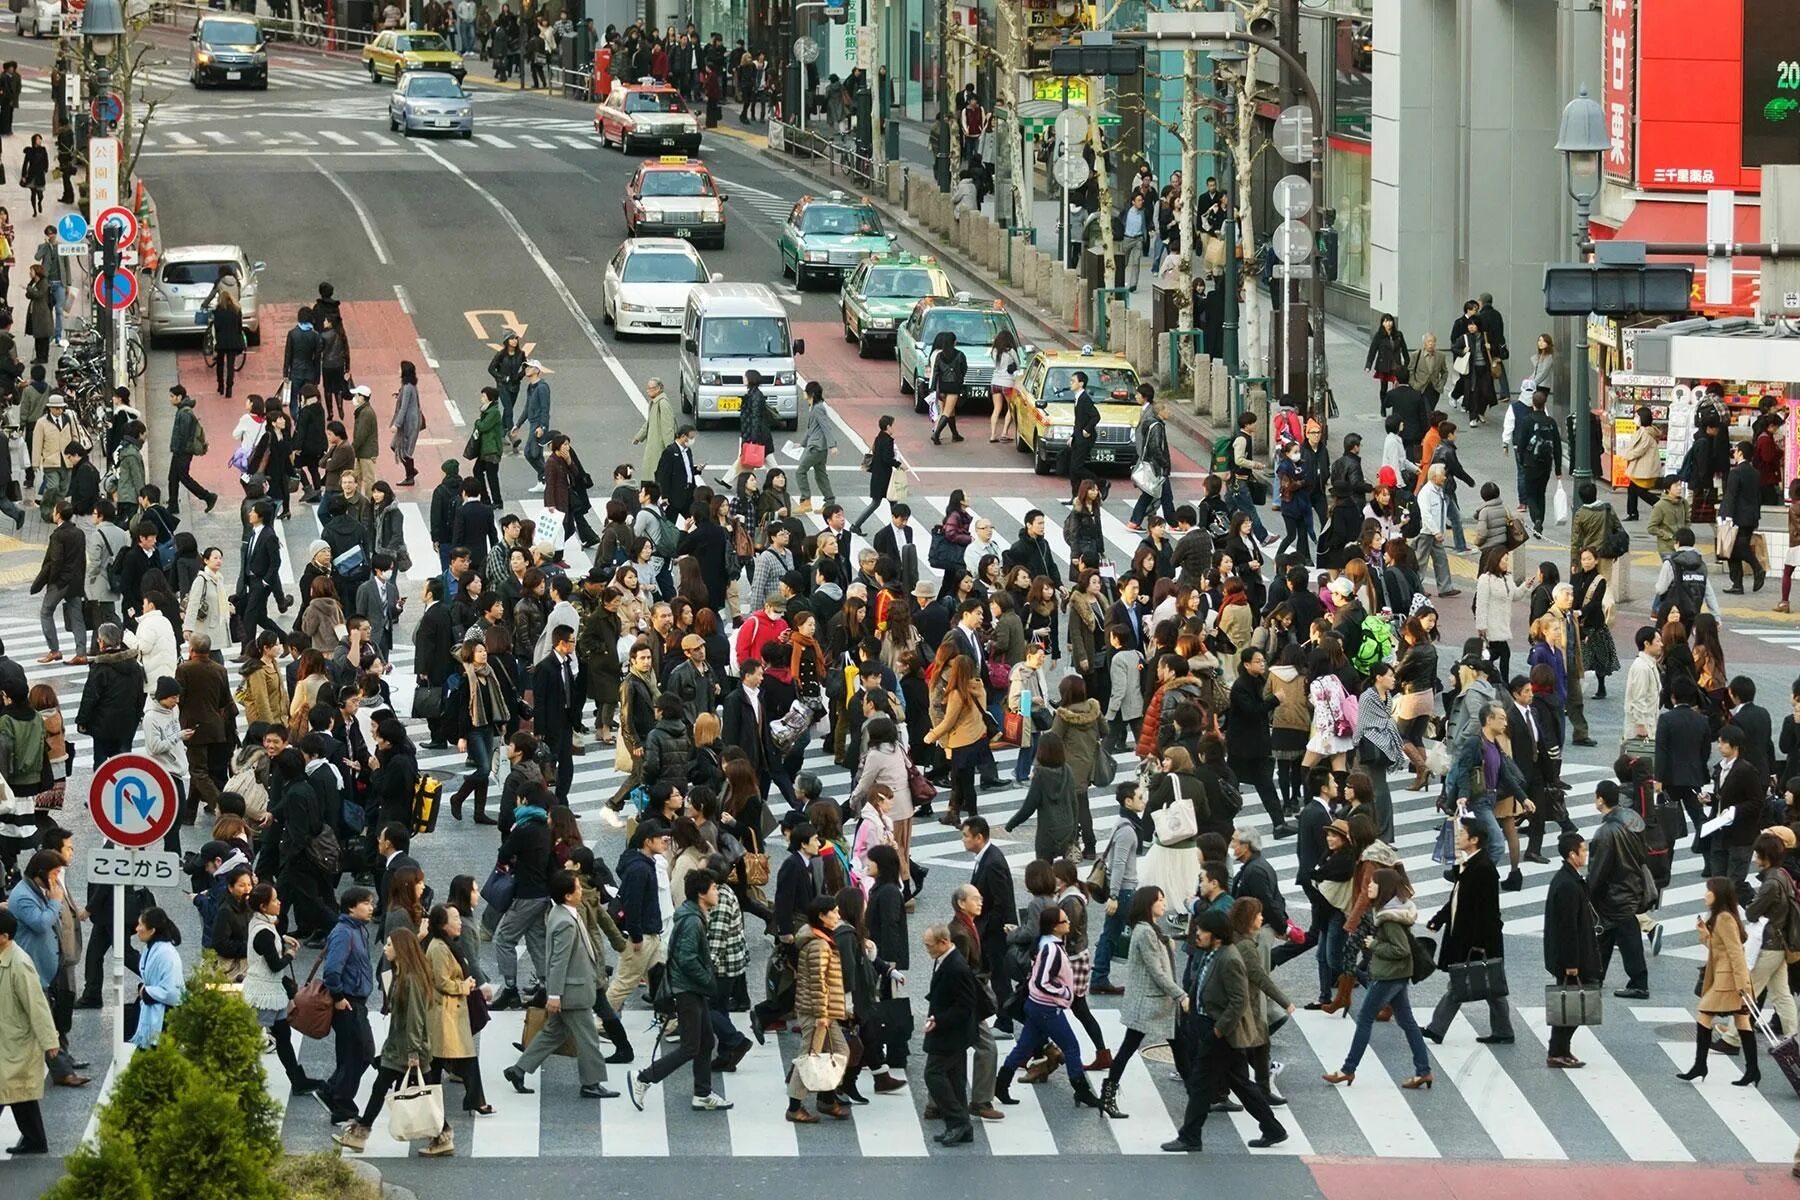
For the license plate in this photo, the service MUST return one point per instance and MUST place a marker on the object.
(730, 403)
(975, 393)
(234, 74)
(684, 233)
(666, 141)
(1100, 455)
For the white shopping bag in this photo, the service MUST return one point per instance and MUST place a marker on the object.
(1559, 505)
(549, 528)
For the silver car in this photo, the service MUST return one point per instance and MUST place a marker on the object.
(429, 101)
(182, 290)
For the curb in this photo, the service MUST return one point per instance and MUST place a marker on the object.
(366, 1170)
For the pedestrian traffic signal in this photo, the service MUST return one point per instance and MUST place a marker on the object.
(1096, 60)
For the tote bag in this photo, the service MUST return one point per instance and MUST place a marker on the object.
(1177, 822)
(415, 1108)
(820, 1071)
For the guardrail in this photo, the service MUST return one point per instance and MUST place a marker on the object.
(839, 153)
(305, 26)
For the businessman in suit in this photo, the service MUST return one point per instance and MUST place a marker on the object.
(433, 652)
(392, 845)
(950, 1032)
(555, 701)
(1309, 851)
(1754, 720)
(473, 525)
(572, 987)
(677, 473)
(746, 723)
(1742, 789)
(262, 578)
(992, 877)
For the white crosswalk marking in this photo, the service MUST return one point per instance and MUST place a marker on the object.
(341, 139)
(1151, 1124)
(627, 1133)
(1024, 1131)
(495, 140)
(512, 1132)
(1378, 1108)
(1508, 1117)
(1743, 1110)
(758, 1094)
(1624, 1111)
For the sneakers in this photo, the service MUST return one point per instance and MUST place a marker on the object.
(711, 1102)
(354, 1136)
(638, 1087)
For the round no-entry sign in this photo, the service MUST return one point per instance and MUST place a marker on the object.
(120, 216)
(116, 290)
(133, 801)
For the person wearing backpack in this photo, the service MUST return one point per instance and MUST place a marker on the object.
(1538, 451)
(1596, 526)
(187, 441)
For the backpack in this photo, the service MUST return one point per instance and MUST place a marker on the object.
(1615, 542)
(667, 535)
(197, 444)
(1377, 644)
(324, 850)
(1540, 444)
(1349, 711)
(1221, 454)
(115, 571)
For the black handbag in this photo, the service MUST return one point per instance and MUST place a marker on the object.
(1424, 956)
(472, 447)
(428, 703)
(1477, 978)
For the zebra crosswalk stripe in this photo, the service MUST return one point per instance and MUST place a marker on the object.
(1624, 1111)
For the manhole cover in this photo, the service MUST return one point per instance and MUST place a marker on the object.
(1158, 1054)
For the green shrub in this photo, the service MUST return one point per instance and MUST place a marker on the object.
(198, 1149)
(108, 1171)
(152, 1081)
(220, 1036)
(322, 1176)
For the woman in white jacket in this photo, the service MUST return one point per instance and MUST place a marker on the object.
(154, 638)
(207, 607)
(1497, 594)
(885, 765)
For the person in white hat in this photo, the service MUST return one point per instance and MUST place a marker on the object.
(536, 420)
(365, 439)
(54, 430)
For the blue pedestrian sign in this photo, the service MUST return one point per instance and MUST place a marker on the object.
(72, 228)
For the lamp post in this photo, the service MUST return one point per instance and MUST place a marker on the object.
(1581, 138)
(102, 25)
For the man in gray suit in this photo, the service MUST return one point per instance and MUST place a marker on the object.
(573, 985)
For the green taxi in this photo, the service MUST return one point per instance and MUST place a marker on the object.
(974, 322)
(828, 237)
(1044, 404)
(878, 296)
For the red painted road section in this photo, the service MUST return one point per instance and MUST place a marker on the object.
(1383, 1180)
(381, 335)
(861, 389)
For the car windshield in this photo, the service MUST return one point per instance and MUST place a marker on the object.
(229, 33)
(1108, 385)
(196, 272)
(654, 267)
(417, 43)
(432, 87)
(910, 281)
(653, 102)
(744, 337)
(972, 329)
(677, 183)
(850, 219)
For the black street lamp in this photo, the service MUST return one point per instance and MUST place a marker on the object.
(1582, 138)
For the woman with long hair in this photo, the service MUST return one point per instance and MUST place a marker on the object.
(452, 985)
(1049, 994)
(1004, 353)
(405, 900)
(962, 734)
(480, 710)
(1291, 725)
(1390, 971)
(1496, 592)
(393, 772)
(1154, 998)
(1724, 980)
(948, 367)
(1709, 657)
(310, 682)
(1599, 654)
(1081, 528)
(407, 422)
(1332, 733)
(408, 1043)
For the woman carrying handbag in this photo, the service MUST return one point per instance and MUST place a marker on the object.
(819, 1008)
(457, 1010)
(407, 1048)
(269, 983)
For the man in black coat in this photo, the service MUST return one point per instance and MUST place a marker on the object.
(708, 542)
(1472, 913)
(991, 875)
(1683, 748)
(1256, 878)
(433, 651)
(446, 498)
(1309, 851)
(950, 1033)
(1213, 1012)
(1247, 741)
(745, 721)
(1742, 789)
(1410, 406)
(677, 473)
(1741, 504)
(262, 578)
(1754, 720)
(556, 702)
(1616, 865)
(61, 578)
(1571, 949)
(473, 526)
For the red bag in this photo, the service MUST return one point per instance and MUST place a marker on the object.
(751, 454)
(1012, 728)
(999, 674)
(310, 1012)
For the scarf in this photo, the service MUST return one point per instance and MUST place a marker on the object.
(529, 812)
(1375, 725)
(488, 705)
(802, 643)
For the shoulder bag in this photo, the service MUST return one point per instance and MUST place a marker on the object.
(1176, 822)
(310, 1012)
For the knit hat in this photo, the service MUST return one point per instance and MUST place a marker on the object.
(166, 687)
(317, 545)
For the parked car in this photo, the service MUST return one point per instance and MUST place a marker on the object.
(181, 293)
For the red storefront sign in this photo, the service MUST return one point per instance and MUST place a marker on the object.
(1619, 37)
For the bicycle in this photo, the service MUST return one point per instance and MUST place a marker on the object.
(312, 25)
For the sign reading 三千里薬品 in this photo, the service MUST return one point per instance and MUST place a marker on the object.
(133, 801)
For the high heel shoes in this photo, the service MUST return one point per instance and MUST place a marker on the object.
(1417, 1082)
(1336, 1077)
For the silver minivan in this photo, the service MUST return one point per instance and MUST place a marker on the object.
(731, 328)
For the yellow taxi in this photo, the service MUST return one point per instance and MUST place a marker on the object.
(647, 116)
(397, 51)
(675, 196)
(1043, 399)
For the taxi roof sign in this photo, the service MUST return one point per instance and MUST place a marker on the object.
(673, 160)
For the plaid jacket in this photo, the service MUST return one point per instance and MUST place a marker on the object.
(725, 936)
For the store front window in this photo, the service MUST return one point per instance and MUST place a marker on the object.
(1345, 240)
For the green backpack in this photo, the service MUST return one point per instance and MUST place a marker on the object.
(1221, 454)
(1377, 644)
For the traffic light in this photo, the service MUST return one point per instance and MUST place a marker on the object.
(1096, 60)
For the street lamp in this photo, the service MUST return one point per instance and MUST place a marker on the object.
(1581, 138)
(102, 25)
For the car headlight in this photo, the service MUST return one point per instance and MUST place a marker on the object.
(784, 378)
(712, 217)
(817, 256)
(709, 378)
(881, 322)
(465, 111)
(690, 126)
(203, 56)
(636, 308)
(1060, 433)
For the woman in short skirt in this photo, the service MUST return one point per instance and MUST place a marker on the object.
(1174, 866)
(265, 982)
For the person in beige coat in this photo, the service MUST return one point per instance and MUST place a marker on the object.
(452, 1038)
(1642, 454)
(27, 1035)
(658, 430)
(1723, 981)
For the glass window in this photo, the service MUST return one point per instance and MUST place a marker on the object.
(847, 219)
(229, 33)
(1106, 383)
(653, 102)
(195, 272)
(653, 267)
(970, 328)
(744, 337)
(676, 183)
(418, 43)
(431, 87)
(1344, 235)
(904, 281)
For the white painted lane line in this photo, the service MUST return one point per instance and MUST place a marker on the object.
(362, 213)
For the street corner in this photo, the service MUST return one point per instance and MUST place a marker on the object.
(19, 559)
(757, 141)
(1362, 1179)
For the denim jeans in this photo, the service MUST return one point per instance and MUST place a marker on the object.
(1482, 809)
(1044, 1023)
(1386, 993)
(1115, 924)
(1146, 502)
(58, 294)
(1453, 518)
(481, 751)
(465, 36)
(1237, 496)
(1022, 764)
(1332, 944)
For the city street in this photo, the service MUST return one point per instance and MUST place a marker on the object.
(437, 245)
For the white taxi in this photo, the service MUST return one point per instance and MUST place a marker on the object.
(646, 285)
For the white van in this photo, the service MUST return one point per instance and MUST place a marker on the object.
(730, 328)
(38, 18)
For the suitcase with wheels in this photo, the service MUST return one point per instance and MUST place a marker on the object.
(1784, 1050)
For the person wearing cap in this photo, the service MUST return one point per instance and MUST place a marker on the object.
(691, 681)
(365, 438)
(165, 743)
(53, 431)
(536, 420)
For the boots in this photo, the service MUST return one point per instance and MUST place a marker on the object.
(1109, 1100)
(481, 799)
(1003, 1086)
(1084, 1094)
(1101, 1062)
(443, 1145)
(1702, 1043)
(354, 1136)
(938, 429)
(456, 798)
(614, 1030)
(956, 436)
(1752, 1070)
(1513, 882)
(1045, 1066)
(1340, 1001)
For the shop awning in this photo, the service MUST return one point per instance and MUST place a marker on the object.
(1685, 221)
